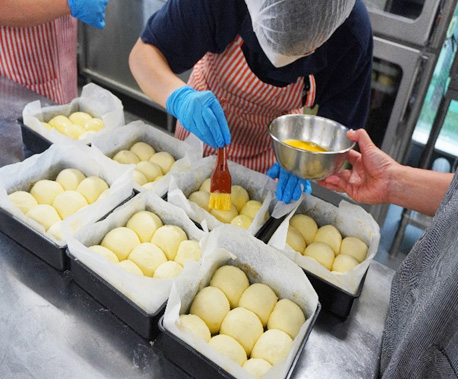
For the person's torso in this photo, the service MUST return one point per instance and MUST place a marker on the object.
(42, 58)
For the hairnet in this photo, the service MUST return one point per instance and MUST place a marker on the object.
(288, 29)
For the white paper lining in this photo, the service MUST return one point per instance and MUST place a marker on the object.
(350, 220)
(148, 293)
(94, 100)
(22, 175)
(112, 141)
(259, 187)
(228, 244)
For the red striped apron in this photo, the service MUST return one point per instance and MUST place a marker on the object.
(42, 58)
(252, 104)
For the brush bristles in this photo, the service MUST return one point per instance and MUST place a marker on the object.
(221, 201)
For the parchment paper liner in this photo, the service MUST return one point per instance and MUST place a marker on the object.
(112, 141)
(148, 293)
(22, 175)
(95, 100)
(259, 187)
(350, 220)
(228, 244)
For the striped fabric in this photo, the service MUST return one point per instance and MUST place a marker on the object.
(42, 58)
(252, 104)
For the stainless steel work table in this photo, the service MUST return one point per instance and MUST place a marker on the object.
(51, 328)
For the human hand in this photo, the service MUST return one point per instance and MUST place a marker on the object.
(289, 186)
(91, 12)
(369, 179)
(201, 114)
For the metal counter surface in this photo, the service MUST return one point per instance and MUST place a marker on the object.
(50, 327)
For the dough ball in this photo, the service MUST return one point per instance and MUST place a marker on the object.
(211, 305)
(355, 247)
(343, 263)
(44, 191)
(148, 257)
(321, 252)
(260, 299)
(68, 202)
(229, 347)
(145, 224)
(295, 240)
(168, 238)
(164, 160)
(242, 221)
(142, 150)
(159, 177)
(273, 346)
(70, 178)
(239, 196)
(196, 325)
(44, 214)
(56, 231)
(244, 326)
(80, 118)
(60, 123)
(305, 225)
(148, 185)
(126, 157)
(91, 188)
(257, 367)
(329, 235)
(225, 216)
(130, 267)
(201, 198)
(287, 316)
(107, 253)
(94, 124)
(150, 169)
(139, 178)
(188, 250)
(73, 131)
(205, 186)
(23, 200)
(121, 241)
(251, 208)
(232, 281)
(46, 125)
(167, 270)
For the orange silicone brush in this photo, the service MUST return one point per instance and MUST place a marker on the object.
(220, 185)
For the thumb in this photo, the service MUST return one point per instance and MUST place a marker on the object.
(362, 138)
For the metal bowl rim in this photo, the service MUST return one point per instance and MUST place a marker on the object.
(308, 151)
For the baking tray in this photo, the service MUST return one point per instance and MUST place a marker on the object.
(197, 365)
(34, 241)
(143, 323)
(333, 299)
(34, 141)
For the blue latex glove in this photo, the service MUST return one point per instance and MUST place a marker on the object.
(91, 12)
(201, 114)
(289, 186)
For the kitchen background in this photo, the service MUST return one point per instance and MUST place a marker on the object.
(415, 43)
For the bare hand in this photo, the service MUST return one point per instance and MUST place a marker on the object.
(368, 180)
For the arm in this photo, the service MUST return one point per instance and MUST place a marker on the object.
(377, 178)
(152, 72)
(31, 12)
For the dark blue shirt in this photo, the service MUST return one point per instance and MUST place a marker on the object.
(185, 30)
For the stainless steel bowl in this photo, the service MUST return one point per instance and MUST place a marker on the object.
(305, 164)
